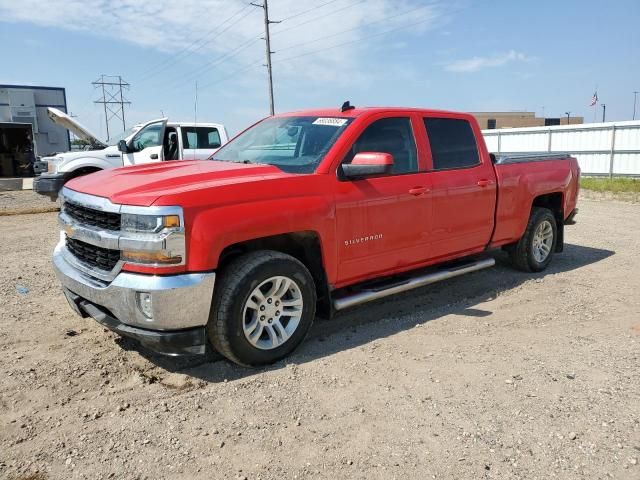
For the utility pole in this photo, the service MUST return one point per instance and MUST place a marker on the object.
(267, 39)
(604, 112)
(568, 114)
(112, 97)
(635, 94)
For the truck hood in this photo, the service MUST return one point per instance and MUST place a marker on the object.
(142, 185)
(60, 118)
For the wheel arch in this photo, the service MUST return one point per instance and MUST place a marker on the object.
(83, 171)
(305, 246)
(554, 202)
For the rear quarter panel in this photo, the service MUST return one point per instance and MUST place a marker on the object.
(520, 183)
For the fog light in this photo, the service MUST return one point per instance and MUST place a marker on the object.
(145, 304)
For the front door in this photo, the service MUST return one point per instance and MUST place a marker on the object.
(382, 222)
(146, 145)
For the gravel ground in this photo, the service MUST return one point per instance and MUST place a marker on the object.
(25, 201)
(497, 374)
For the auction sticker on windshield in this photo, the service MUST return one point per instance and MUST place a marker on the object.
(332, 122)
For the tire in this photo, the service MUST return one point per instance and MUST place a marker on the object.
(243, 326)
(528, 255)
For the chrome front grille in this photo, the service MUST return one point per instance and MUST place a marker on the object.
(97, 257)
(92, 217)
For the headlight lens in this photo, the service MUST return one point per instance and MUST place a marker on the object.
(148, 223)
(52, 164)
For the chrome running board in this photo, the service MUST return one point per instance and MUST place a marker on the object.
(367, 295)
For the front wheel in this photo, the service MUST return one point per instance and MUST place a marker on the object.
(263, 306)
(534, 250)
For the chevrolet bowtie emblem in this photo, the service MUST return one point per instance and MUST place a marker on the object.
(68, 229)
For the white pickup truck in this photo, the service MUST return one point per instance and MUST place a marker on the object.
(155, 141)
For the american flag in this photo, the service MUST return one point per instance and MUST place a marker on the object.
(594, 99)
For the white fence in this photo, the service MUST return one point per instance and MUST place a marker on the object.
(611, 148)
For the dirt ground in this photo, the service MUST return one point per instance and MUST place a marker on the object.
(497, 374)
(25, 201)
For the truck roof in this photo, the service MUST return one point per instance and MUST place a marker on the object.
(194, 124)
(357, 111)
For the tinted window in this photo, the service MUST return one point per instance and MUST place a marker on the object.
(452, 143)
(200, 137)
(389, 135)
(491, 123)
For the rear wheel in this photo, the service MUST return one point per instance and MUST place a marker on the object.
(536, 247)
(263, 307)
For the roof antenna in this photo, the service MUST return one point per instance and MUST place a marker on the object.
(346, 106)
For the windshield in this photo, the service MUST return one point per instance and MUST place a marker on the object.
(123, 136)
(293, 144)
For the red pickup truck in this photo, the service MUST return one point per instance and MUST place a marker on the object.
(301, 214)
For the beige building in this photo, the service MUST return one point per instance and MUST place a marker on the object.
(491, 120)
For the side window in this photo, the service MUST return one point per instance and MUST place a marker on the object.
(189, 138)
(213, 137)
(150, 136)
(389, 135)
(453, 144)
(200, 137)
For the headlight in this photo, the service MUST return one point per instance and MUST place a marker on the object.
(52, 164)
(148, 223)
(152, 239)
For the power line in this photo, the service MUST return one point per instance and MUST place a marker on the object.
(186, 51)
(356, 40)
(216, 61)
(233, 74)
(229, 55)
(333, 12)
(386, 19)
(299, 14)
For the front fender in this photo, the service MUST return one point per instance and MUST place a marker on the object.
(89, 162)
(212, 230)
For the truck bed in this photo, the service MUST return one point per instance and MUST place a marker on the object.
(521, 178)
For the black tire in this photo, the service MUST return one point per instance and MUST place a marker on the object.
(522, 254)
(232, 290)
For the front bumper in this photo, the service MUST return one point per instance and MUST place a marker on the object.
(179, 312)
(49, 185)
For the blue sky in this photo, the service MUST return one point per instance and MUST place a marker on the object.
(458, 54)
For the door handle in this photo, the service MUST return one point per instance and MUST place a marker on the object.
(418, 191)
(153, 156)
(484, 183)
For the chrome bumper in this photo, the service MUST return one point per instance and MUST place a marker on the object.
(178, 301)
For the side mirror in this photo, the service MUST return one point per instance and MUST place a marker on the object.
(366, 164)
(122, 146)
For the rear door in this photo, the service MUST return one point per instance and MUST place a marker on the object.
(382, 222)
(199, 143)
(463, 187)
(146, 144)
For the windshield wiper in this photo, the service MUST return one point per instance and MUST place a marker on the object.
(246, 162)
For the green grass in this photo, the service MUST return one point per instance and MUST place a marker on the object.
(610, 184)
